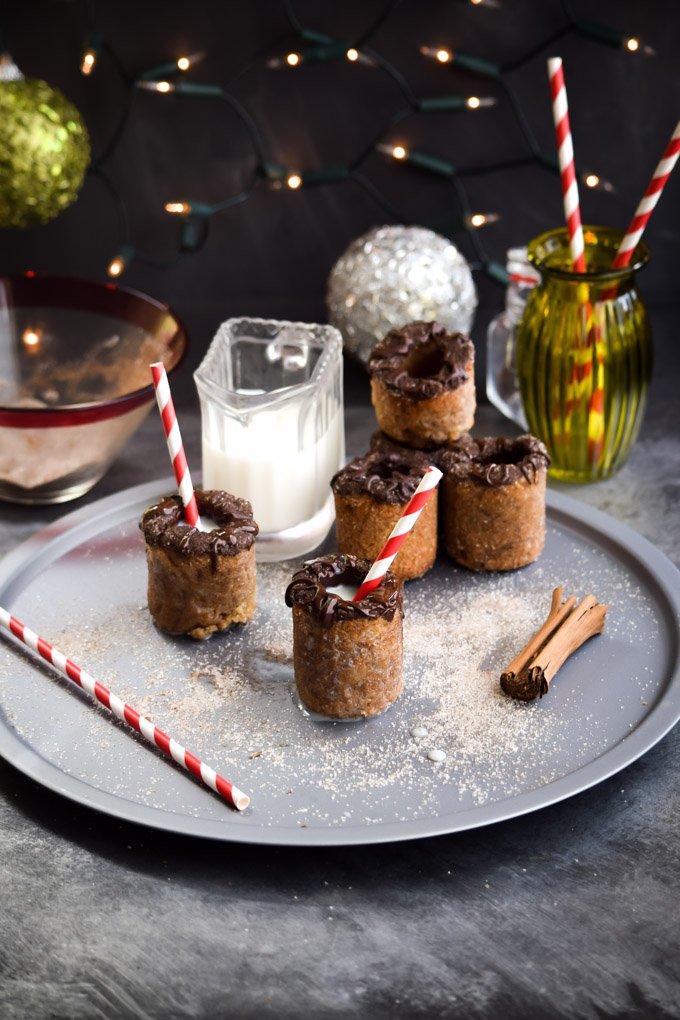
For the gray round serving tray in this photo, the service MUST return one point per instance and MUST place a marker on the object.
(81, 584)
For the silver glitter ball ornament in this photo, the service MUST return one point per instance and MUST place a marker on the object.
(393, 275)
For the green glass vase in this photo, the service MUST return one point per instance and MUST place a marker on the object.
(584, 355)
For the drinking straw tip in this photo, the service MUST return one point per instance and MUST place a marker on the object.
(241, 800)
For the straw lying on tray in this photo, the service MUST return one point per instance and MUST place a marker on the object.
(124, 712)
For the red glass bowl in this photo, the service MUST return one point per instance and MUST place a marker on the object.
(74, 365)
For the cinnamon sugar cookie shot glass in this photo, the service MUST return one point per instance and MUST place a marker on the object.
(423, 385)
(200, 581)
(494, 501)
(370, 495)
(348, 656)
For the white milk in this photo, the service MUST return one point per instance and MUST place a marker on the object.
(285, 476)
(345, 591)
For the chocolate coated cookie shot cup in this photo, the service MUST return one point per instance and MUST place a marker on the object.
(494, 502)
(423, 385)
(200, 582)
(348, 656)
(370, 496)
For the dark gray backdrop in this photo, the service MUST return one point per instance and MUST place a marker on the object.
(271, 256)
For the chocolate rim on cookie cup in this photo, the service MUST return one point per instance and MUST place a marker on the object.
(200, 582)
(370, 495)
(423, 384)
(494, 501)
(348, 656)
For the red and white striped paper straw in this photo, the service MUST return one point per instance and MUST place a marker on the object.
(648, 201)
(174, 441)
(124, 712)
(400, 532)
(565, 157)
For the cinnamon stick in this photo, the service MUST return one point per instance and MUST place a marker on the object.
(567, 627)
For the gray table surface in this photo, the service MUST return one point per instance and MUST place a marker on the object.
(571, 912)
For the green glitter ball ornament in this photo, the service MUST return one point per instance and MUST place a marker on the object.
(44, 150)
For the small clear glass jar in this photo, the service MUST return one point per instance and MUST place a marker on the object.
(273, 427)
(584, 354)
(502, 384)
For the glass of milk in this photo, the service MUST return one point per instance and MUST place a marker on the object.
(273, 429)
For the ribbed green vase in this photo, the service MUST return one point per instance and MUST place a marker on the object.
(584, 355)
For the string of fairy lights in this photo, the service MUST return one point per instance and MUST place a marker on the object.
(171, 78)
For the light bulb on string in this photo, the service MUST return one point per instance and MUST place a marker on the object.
(31, 338)
(478, 220)
(156, 76)
(87, 62)
(119, 264)
(116, 266)
(467, 61)
(434, 104)
(419, 160)
(289, 60)
(395, 151)
(196, 210)
(596, 183)
(355, 56)
(480, 102)
(294, 181)
(633, 45)
(439, 53)
(178, 208)
(90, 53)
(184, 63)
(612, 37)
(156, 86)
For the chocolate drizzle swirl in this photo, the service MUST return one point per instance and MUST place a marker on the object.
(495, 461)
(308, 590)
(387, 477)
(422, 361)
(382, 443)
(164, 525)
